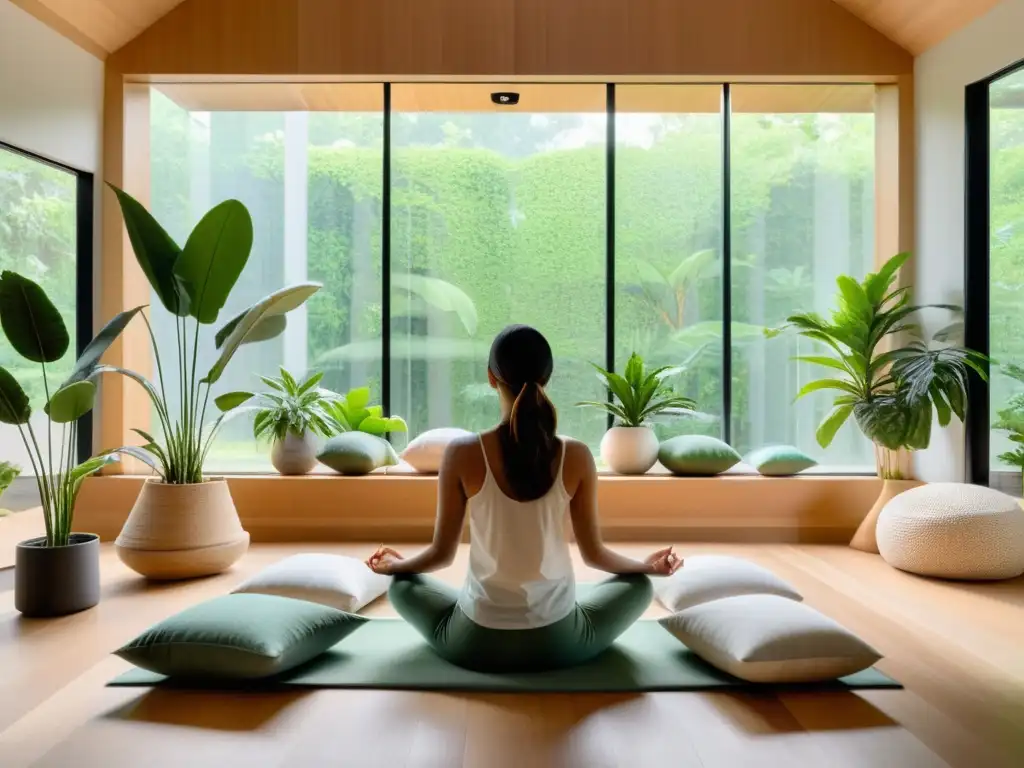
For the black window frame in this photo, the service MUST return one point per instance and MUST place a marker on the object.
(84, 252)
(977, 263)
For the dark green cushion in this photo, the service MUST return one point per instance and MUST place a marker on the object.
(697, 455)
(240, 637)
(357, 453)
(779, 460)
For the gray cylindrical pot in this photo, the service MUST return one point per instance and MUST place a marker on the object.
(56, 581)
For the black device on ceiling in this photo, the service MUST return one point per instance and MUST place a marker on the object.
(505, 98)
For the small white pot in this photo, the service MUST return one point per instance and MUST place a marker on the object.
(629, 450)
(295, 455)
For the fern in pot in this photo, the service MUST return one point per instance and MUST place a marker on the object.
(892, 390)
(292, 415)
(638, 395)
(58, 573)
(184, 524)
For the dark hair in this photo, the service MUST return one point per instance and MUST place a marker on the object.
(521, 360)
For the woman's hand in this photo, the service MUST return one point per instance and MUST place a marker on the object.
(383, 560)
(664, 562)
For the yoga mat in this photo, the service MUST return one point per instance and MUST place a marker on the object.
(389, 654)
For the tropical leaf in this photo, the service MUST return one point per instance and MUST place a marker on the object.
(440, 295)
(214, 256)
(156, 252)
(30, 321)
(277, 303)
(71, 402)
(145, 456)
(94, 351)
(267, 328)
(231, 400)
(358, 398)
(14, 404)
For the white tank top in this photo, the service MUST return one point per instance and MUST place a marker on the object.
(520, 570)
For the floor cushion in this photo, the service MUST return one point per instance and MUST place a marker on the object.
(770, 639)
(704, 578)
(345, 583)
(239, 637)
(953, 531)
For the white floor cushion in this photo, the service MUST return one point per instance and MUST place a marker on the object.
(345, 583)
(425, 452)
(770, 639)
(711, 577)
(953, 531)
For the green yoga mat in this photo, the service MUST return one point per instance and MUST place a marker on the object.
(389, 654)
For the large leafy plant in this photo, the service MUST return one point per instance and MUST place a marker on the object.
(288, 407)
(891, 389)
(1011, 420)
(193, 284)
(353, 413)
(37, 332)
(640, 394)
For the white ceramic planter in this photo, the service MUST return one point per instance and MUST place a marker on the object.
(182, 531)
(295, 455)
(629, 450)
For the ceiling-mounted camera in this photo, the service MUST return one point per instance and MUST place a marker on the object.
(505, 98)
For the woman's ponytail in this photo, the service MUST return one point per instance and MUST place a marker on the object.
(521, 361)
(529, 444)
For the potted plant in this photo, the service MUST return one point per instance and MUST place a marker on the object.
(353, 413)
(8, 474)
(1011, 420)
(292, 415)
(184, 524)
(58, 573)
(892, 390)
(630, 447)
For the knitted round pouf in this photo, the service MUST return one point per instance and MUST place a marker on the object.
(953, 531)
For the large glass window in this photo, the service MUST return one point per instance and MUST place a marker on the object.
(306, 161)
(499, 214)
(803, 212)
(39, 239)
(1006, 267)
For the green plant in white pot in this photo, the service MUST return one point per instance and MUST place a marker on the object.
(292, 415)
(630, 447)
(892, 388)
(58, 573)
(185, 524)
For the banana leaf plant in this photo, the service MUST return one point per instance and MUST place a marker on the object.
(36, 331)
(892, 390)
(193, 284)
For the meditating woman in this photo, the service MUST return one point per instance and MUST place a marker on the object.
(518, 609)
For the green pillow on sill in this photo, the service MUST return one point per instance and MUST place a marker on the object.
(779, 461)
(697, 456)
(357, 453)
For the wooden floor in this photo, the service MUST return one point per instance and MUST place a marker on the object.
(957, 648)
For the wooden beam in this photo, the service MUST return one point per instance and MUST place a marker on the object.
(500, 38)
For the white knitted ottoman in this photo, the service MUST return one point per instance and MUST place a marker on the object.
(953, 531)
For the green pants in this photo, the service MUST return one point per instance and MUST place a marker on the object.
(603, 612)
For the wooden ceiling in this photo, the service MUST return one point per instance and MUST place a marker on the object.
(103, 26)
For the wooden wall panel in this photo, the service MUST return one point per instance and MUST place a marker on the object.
(595, 38)
(918, 25)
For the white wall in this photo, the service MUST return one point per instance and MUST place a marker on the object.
(51, 92)
(51, 103)
(991, 43)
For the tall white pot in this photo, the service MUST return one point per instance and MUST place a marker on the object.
(629, 450)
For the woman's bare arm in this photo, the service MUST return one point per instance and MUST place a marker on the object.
(583, 512)
(451, 512)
